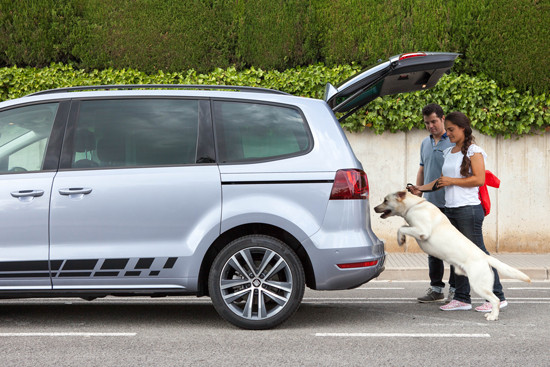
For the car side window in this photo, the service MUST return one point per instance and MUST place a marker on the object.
(136, 132)
(255, 132)
(24, 134)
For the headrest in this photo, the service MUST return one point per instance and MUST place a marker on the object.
(111, 150)
(85, 141)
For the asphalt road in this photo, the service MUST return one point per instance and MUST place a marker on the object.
(378, 324)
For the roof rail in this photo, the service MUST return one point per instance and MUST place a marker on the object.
(158, 86)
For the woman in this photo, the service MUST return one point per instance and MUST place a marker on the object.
(463, 172)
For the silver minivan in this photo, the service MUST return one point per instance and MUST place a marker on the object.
(245, 195)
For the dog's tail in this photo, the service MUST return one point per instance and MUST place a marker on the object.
(507, 270)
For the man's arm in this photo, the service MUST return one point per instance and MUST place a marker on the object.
(420, 178)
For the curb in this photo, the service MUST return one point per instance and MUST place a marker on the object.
(403, 274)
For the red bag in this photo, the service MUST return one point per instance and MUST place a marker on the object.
(490, 180)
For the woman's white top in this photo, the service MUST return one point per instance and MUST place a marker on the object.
(456, 196)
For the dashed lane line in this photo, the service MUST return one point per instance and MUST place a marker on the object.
(401, 335)
(67, 334)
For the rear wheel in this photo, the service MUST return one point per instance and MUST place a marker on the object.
(256, 282)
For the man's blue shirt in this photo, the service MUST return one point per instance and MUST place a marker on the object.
(431, 158)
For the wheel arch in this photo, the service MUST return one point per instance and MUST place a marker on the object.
(248, 229)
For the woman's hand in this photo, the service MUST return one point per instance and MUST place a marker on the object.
(445, 181)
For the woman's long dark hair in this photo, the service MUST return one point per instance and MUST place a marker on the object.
(461, 120)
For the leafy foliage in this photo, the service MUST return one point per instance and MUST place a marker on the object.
(38, 32)
(507, 40)
(492, 109)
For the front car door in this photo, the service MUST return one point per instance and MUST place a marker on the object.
(135, 196)
(30, 143)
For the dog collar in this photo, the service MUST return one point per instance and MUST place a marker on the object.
(412, 206)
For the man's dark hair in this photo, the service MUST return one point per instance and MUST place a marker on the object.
(431, 108)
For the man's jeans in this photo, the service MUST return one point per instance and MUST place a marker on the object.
(436, 271)
(469, 221)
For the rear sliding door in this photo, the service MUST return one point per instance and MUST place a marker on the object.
(136, 195)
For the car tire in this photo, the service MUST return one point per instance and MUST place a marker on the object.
(256, 282)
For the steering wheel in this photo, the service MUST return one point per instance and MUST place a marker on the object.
(17, 169)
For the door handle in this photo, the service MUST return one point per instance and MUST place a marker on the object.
(75, 191)
(27, 193)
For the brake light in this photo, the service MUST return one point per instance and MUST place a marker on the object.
(363, 264)
(412, 54)
(350, 184)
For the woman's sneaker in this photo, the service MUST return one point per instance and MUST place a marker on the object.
(455, 305)
(431, 296)
(451, 295)
(488, 307)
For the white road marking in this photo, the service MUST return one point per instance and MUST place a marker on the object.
(396, 300)
(359, 299)
(409, 299)
(529, 288)
(66, 334)
(381, 288)
(403, 335)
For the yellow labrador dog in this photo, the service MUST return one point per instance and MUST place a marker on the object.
(438, 237)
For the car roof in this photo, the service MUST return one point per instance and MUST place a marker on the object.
(161, 90)
(159, 86)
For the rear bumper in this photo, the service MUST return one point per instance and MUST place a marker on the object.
(328, 276)
(345, 237)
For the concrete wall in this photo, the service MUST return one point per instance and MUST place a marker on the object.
(520, 212)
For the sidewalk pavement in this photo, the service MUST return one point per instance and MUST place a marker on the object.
(414, 266)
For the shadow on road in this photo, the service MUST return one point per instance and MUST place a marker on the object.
(163, 314)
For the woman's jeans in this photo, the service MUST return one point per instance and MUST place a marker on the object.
(469, 221)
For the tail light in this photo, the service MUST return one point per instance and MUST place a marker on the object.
(350, 184)
(412, 54)
(362, 264)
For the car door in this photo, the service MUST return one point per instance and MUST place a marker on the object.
(400, 74)
(30, 143)
(130, 204)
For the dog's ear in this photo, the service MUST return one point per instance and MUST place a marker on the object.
(401, 195)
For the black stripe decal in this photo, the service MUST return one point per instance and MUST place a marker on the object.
(56, 264)
(82, 268)
(144, 263)
(114, 264)
(106, 273)
(25, 275)
(275, 182)
(24, 266)
(75, 274)
(170, 262)
(80, 264)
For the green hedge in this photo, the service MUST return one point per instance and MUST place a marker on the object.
(507, 40)
(512, 45)
(152, 35)
(36, 33)
(493, 110)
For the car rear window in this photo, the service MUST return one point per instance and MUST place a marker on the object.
(255, 132)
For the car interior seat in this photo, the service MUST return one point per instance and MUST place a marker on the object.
(85, 143)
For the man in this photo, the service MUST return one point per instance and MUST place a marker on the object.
(431, 161)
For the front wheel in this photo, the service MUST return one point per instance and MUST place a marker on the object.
(256, 282)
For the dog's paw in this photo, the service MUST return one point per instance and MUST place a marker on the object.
(401, 239)
(491, 317)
